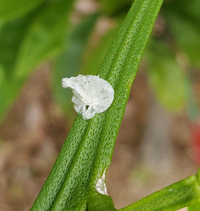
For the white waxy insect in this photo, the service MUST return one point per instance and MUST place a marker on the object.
(91, 94)
(101, 184)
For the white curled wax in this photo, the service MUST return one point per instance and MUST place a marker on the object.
(91, 94)
(101, 184)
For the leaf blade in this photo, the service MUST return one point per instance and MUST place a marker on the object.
(185, 28)
(173, 197)
(28, 41)
(166, 76)
(194, 207)
(44, 37)
(92, 149)
(13, 9)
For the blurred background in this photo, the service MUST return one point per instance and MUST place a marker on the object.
(43, 41)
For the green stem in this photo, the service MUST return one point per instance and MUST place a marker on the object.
(88, 149)
(176, 196)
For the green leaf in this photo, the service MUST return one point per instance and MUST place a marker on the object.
(11, 37)
(27, 41)
(176, 196)
(44, 38)
(87, 152)
(113, 7)
(185, 29)
(194, 207)
(68, 63)
(189, 8)
(11, 9)
(166, 76)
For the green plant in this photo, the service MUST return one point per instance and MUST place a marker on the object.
(86, 154)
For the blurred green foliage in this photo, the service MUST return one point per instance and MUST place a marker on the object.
(26, 41)
(115, 7)
(39, 30)
(183, 18)
(166, 76)
(11, 9)
(195, 207)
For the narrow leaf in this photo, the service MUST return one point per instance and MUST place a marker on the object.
(27, 41)
(11, 36)
(113, 7)
(11, 9)
(87, 152)
(194, 207)
(166, 76)
(44, 38)
(176, 196)
(185, 29)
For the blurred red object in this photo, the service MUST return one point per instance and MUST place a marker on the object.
(195, 135)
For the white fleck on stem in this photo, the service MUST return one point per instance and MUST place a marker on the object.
(101, 184)
(91, 94)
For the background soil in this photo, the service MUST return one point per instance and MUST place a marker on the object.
(152, 150)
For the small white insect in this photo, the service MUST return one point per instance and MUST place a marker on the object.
(101, 184)
(91, 94)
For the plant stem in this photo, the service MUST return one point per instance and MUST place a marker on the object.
(176, 196)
